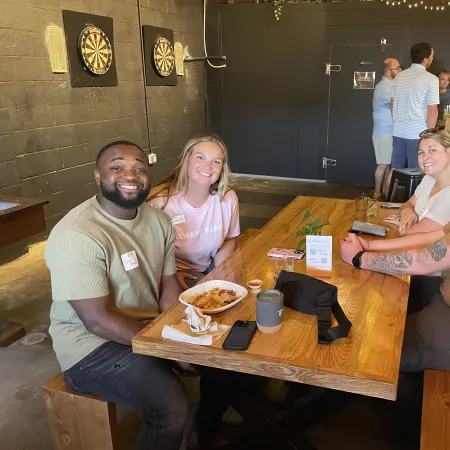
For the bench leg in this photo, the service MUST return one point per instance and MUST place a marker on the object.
(80, 422)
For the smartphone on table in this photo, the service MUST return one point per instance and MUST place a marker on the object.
(290, 253)
(240, 335)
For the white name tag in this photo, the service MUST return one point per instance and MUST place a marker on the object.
(319, 253)
(181, 218)
(129, 260)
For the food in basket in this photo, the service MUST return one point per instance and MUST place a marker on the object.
(214, 298)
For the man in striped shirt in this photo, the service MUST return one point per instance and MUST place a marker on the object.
(415, 97)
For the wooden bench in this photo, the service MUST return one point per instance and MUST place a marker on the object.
(79, 422)
(435, 433)
(246, 236)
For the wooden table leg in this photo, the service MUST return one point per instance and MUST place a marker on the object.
(10, 332)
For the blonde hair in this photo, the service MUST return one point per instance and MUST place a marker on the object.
(178, 180)
(442, 136)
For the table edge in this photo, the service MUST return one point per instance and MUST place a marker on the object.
(178, 351)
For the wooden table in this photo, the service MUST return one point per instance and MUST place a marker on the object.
(21, 221)
(20, 218)
(366, 362)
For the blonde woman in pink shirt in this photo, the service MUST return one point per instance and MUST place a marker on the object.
(204, 211)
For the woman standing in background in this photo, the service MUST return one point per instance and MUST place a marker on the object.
(444, 93)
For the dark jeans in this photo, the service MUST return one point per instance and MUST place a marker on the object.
(141, 383)
(426, 342)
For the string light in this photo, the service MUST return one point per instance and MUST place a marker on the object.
(416, 5)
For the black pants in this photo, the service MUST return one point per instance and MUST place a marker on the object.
(426, 343)
(150, 387)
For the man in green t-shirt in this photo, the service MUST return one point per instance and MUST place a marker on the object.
(112, 267)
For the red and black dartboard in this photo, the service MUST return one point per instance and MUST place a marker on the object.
(163, 57)
(95, 50)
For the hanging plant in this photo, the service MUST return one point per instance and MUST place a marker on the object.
(278, 4)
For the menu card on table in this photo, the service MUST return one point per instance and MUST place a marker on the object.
(319, 252)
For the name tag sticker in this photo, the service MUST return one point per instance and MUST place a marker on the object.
(129, 260)
(181, 218)
(319, 256)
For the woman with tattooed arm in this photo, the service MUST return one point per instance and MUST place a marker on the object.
(426, 342)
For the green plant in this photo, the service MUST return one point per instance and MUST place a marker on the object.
(311, 228)
(278, 4)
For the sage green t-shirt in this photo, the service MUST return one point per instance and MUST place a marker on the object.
(91, 254)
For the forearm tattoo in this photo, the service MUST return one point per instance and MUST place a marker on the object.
(407, 262)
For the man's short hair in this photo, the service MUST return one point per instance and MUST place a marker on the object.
(115, 144)
(386, 66)
(420, 51)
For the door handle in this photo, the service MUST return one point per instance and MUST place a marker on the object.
(332, 68)
(328, 162)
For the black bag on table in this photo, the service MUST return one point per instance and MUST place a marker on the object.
(312, 296)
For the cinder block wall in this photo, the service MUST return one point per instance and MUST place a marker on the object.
(50, 132)
(175, 114)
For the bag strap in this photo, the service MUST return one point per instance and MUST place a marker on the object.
(326, 333)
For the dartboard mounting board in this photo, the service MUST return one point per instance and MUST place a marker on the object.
(90, 49)
(95, 50)
(159, 56)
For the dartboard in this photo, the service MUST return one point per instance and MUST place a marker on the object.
(95, 50)
(163, 56)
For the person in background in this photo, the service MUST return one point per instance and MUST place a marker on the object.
(203, 210)
(444, 93)
(415, 97)
(383, 124)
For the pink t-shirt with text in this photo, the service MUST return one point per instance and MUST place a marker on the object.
(201, 231)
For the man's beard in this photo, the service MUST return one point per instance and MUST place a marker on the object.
(113, 194)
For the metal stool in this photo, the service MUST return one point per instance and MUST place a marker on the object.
(411, 178)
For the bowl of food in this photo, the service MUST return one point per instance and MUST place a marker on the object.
(214, 296)
(255, 285)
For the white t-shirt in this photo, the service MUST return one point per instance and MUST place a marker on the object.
(436, 207)
(200, 232)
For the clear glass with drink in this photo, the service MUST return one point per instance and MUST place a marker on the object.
(281, 263)
(361, 204)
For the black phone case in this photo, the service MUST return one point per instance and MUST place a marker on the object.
(240, 335)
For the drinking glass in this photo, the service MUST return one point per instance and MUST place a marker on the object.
(279, 264)
(361, 204)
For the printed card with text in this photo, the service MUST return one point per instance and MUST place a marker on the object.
(319, 255)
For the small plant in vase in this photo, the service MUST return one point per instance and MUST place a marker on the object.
(312, 228)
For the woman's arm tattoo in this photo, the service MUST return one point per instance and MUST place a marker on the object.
(408, 262)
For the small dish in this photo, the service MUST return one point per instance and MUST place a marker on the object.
(254, 285)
